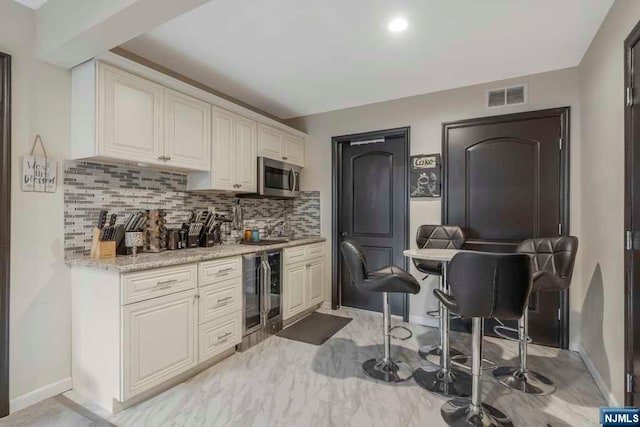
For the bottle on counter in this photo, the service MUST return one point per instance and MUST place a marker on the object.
(255, 235)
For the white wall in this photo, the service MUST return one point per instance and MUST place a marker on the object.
(602, 127)
(40, 342)
(425, 115)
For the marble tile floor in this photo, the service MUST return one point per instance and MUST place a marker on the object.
(287, 383)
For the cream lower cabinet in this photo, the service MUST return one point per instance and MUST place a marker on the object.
(304, 278)
(159, 340)
(315, 277)
(135, 334)
(295, 290)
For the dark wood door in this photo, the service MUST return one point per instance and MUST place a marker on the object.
(505, 181)
(5, 226)
(373, 199)
(632, 218)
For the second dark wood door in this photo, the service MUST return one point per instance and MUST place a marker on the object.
(373, 209)
(505, 182)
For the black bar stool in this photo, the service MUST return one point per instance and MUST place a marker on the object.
(552, 261)
(386, 280)
(438, 237)
(483, 285)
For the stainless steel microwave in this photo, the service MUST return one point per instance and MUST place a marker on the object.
(278, 179)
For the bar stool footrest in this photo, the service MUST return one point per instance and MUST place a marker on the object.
(435, 314)
(498, 330)
(403, 328)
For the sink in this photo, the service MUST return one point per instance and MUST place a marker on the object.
(264, 242)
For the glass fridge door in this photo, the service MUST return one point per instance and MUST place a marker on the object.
(275, 286)
(252, 277)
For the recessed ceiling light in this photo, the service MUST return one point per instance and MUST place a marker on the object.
(397, 25)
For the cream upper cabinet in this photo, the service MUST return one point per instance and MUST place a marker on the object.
(147, 118)
(159, 340)
(246, 155)
(130, 116)
(119, 116)
(293, 149)
(187, 131)
(233, 155)
(269, 142)
(278, 145)
(223, 159)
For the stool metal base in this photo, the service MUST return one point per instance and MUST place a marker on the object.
(454, 383)
(436, 350)
(529, 382)
(394, 371)
(458, 413)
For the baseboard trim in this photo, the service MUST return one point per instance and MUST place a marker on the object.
(38, 395)
(604, 390)
(423, 320)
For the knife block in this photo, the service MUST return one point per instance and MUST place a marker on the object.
(100, 249)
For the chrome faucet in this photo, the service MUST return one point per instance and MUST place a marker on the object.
(269, 228)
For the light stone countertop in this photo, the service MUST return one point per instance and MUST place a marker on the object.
(146, 261)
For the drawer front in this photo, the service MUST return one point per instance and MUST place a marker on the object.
(158, 282)
(219, 335)
(295, 254)
(212, 272)
(220, 300)
(315, 250)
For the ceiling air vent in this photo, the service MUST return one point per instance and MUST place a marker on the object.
(502, 97)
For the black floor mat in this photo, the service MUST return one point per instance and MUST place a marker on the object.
(315, 328)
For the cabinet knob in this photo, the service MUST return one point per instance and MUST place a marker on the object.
(167, 158)
(161, 158)
(285, 158)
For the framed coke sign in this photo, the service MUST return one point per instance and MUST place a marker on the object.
(424, 176)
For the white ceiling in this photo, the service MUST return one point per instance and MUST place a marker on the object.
(293, 57)
(33, 4)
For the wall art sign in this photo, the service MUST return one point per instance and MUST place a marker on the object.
(424, 176)
(39, 174)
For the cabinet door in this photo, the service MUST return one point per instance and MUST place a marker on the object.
(159, 341)
(294, 290)
(187, 131)
(315, 281)
(130, 115)
(293, 149)
(269, 142)
(223, 160)
(246, 155)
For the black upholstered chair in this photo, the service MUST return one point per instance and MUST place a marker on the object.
(483, 285)
(438, 237)
(552, 261)
(385, 281)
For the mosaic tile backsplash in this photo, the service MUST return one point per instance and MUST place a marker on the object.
(89, 187)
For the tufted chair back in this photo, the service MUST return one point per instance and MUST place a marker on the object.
(440, 237)
(490, 285)
(356, 261)
(552, 261)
